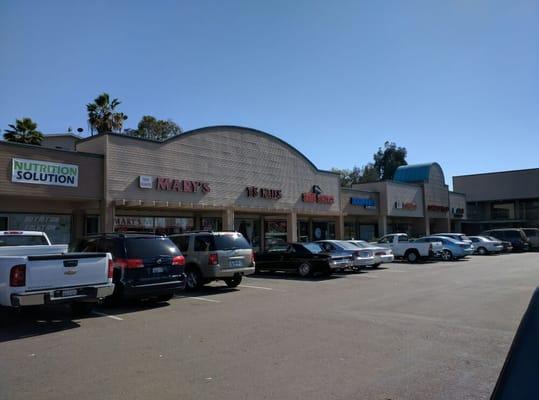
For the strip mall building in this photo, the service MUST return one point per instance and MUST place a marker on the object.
(221, 177)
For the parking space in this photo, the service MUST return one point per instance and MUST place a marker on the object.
(404, 331)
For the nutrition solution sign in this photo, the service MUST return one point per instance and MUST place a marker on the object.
(44, 173)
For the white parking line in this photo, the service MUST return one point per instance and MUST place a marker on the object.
(256, 287)
(107, 315)
(199, 298)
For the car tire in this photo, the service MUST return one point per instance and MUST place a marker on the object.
(234, 281)
(193, 280)
(482, 251)
(82, 308)
(447, 255)
(305, 269)
(412, 256)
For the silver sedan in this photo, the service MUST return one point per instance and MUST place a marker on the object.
(382, 255)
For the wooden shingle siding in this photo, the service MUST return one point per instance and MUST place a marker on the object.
(229, 160)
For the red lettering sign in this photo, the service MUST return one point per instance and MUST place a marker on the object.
(176, 185)
(270, 194)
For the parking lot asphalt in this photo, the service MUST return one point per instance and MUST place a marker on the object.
(423, 331)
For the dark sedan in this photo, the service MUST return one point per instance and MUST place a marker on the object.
(303, 258)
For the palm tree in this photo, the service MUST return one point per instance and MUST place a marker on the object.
(24, 131)
(102, 117)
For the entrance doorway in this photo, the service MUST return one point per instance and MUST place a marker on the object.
(250, 229)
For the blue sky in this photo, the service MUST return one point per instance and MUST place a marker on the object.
(453, 81)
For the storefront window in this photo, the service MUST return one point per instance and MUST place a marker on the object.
(275, 232)
(503, 211)
(3, 223)
(211, 224)
(250, 229)
(91, 224)
(367, 232)
(303, 231)
(350, 230)
(323, 230)
(133, 224)
(57, 227)
(157, 225)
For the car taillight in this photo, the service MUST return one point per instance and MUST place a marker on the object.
(178, 260)
(213, 259)
(130, 263)
(17, 275)
(111, 269)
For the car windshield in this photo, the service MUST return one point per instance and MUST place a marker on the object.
(314, 248)
(144, 247)
(361, 244)
(231, 241)
(22, 240)
(346, 245)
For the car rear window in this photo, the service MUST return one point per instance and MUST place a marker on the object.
(233, 241)
(20, 240)
(143, 247)
(314, 248)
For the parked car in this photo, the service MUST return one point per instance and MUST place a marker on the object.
(457, 236)
(360, 257)
(516, 236)
(33, 272)
(212, 256)
(303, 258)
(381, 254)
(533, 235)
(403, 247)
(484, 245)
(145, 266)
(451, 249)
(507, 246)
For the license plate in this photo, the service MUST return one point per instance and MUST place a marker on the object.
(68, 293)
(158, 270)
(236, 263)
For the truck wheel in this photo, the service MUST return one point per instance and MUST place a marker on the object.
(412, 256)
(234, 281)
(194, 278)
(482, 251)
(447, 255)
(82, 308)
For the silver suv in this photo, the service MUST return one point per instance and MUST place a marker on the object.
(211, 256)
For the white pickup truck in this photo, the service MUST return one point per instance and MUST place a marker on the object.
(35, 272)
(403, 247)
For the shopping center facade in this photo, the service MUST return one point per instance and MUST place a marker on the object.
(221, 177)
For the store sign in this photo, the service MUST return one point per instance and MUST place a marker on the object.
(458, 212)
(44, 173)
(402, 205)
(366, 203)
(270, 194)
(437, 208)
(173, 185)
(145, 182)
(316, 196)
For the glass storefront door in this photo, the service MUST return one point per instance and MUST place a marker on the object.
(57, 227)
(323, 230)
(275, 232)
(250, 229)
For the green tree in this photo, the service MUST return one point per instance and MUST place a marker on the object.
(369, 174)
(156, 129)
(102, 116)
(24, 131)
(388, 159)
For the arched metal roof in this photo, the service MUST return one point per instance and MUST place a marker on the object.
(415, 172)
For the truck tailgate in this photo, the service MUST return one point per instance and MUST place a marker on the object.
(66, 270)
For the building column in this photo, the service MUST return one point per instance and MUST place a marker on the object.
(339, 228)
(427, 225)
(382, 225)
(228, 219)
(108, 212)
(292, 227)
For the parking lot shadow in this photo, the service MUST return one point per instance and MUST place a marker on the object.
(292, 277)
(133, 306)
(20, 324)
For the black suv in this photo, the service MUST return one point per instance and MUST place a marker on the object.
(517, 237)
(145, 266)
